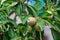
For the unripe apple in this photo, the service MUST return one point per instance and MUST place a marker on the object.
(29, 29)
(37, 27)
(31, 21)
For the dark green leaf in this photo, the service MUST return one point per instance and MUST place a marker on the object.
(55, 34)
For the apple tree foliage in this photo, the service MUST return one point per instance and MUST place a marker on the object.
(29, 20)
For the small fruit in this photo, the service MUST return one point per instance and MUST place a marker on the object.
(29, 29)
(1, 33)
(31, 21)
(37, 27)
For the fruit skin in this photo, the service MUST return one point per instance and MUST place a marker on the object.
(31, 21)
(29, 29)
(37, 27)
(1, 33)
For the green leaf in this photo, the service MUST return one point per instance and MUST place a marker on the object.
(50, 23)
(45, 14)
(32, 10)
(2, 1)
(24, 18)
(18, 11)
(57, 18)
(55, 34)
(6, 36)
(3, 17)
(22, 30)
(38, 5)
(57, 8)
(12, 22)
(11, 33)
(16, 38)
(41, 23)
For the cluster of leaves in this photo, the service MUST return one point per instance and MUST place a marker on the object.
(11, 30)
